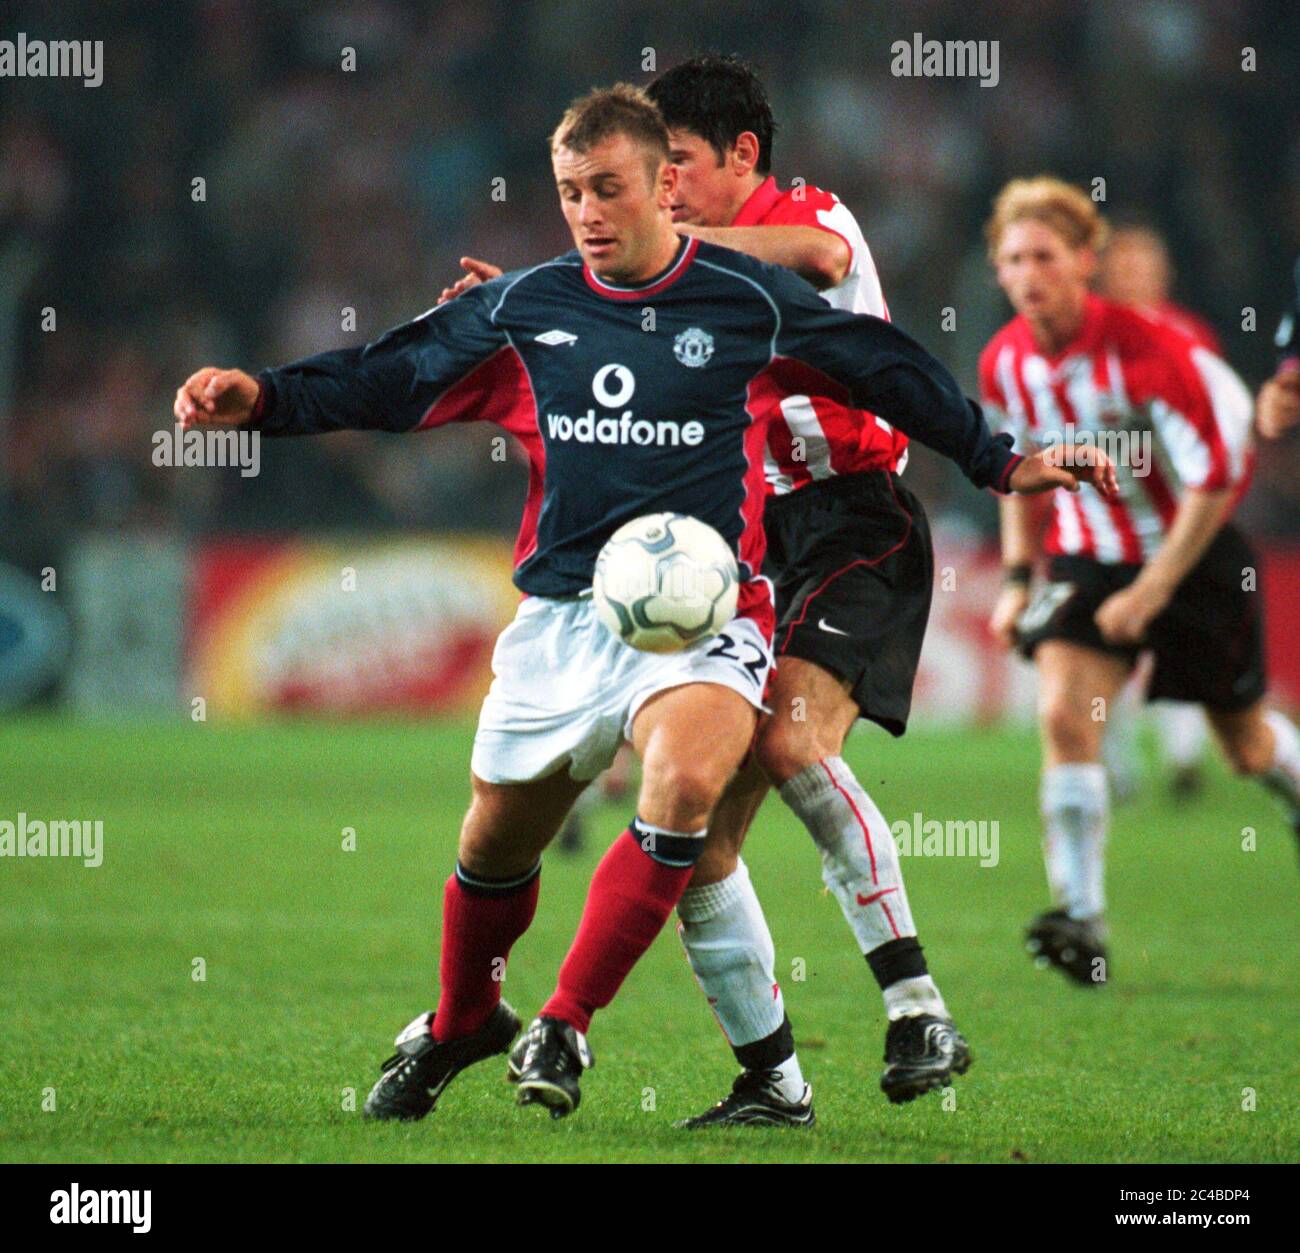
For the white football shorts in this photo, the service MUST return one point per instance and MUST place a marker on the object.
(567, 689)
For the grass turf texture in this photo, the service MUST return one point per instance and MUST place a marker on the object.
(225, 843)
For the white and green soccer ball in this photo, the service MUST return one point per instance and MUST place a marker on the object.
(664, 581)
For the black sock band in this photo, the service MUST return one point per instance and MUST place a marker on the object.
(477, 885)
(897, 960)
(678, 849)
(769, 1052)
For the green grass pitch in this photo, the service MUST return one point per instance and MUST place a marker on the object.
(225, 843)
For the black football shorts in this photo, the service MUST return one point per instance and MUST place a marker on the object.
(1208, 644)
(853, 568)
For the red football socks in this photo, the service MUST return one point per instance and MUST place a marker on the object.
(481, 920)
(629, 901)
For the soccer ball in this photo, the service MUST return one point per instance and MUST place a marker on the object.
(664, 581)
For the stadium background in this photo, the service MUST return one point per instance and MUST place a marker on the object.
(329, 191)
(300, 858)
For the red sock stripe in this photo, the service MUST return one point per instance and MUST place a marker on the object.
(866, 831)
(892, 925)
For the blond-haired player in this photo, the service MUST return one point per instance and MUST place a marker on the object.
(1160, 568)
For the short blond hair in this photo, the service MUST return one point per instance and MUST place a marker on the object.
(622, 109)
(1065, 208)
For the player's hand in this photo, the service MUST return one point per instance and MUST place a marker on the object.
(479, 272)
(1124, 616)
(1065, 465)
(1012, 602)
(215, 397)
(1278, 408)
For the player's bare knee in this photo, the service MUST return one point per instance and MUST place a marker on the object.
(481, 849)
(786, 748)
(486, 846)
(680, 795)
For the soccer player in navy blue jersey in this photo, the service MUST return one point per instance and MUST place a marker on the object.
(852, 567)
(620, 417)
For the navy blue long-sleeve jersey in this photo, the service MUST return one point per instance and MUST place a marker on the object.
(632, 400)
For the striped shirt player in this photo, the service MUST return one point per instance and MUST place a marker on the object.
(849, 548)
(619, 422)
(849, 554)
(1176, 418)
(812, 436)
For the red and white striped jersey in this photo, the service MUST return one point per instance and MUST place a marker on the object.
(1199, 331)
(811, 436)
(1177, 413)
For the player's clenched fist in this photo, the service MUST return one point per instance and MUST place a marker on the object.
(1065, 465)
(219, 397)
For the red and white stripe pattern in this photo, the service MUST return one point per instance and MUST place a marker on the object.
(812, 435)
(1124, 373)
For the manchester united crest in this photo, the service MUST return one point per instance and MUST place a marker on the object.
(693, 347)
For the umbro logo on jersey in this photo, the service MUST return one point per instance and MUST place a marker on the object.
(553, 339)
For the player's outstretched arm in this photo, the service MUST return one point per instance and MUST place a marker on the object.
(888, 373)
(392, 384)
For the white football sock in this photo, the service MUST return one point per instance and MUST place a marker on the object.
(1283, 777)
(730, 949)
(909, 997)
(788, 1080)
(1075, 810)
(859, 857)
(1182, 733)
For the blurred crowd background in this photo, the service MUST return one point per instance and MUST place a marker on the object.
(329, 190)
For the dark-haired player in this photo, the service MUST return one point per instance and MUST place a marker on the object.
(850, 556)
